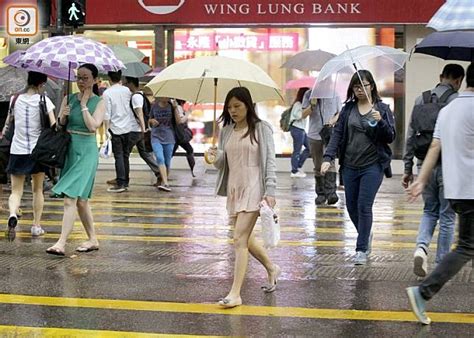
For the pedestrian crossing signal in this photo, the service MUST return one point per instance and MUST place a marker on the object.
(73, 12)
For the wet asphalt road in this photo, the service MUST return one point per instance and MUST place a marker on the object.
(166, 258)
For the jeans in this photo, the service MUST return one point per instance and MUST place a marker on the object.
(299, 140)
(121, 150)
(436, 208)
(455, 260)
(136, 139)
(163, 152)
(361, 186)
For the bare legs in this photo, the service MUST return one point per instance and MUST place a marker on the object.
(85, 214)
(245, 242)
(14, 200)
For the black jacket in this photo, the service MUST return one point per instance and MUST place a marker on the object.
(383, 136)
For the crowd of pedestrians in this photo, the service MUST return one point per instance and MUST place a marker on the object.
(358, 133)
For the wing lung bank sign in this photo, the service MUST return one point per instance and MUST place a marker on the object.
(228, 12)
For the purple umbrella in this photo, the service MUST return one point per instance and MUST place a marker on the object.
(60, 73)
(69, 52)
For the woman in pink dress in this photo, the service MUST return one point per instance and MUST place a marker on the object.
(245, 157)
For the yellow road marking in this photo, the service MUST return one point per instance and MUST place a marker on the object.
(214, 240)
(29, 331)
(244, 310)
(100, 224)
(159, 214)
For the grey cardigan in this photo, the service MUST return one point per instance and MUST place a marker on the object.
(267, 159)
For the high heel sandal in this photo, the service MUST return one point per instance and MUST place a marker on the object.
(272, 287)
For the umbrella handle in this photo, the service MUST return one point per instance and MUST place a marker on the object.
(214, 123)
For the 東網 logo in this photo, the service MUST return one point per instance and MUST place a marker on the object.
(22, 20)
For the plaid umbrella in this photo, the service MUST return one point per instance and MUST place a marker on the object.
(69, 52)
(453, 15)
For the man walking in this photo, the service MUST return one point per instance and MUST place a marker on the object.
(118, 118)
(141, 109)
(454, 139)
(323, 112)
(436, 207)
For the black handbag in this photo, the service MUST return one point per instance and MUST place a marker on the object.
(52, 146)
(183, 133)
(326, 130)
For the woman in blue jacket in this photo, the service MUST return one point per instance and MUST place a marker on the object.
(361, 138)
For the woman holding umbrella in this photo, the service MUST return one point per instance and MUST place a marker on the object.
(81, 114)
(245, 157)
(26, 110)
(361, 138)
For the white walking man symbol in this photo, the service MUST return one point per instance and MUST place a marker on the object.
(73, 12)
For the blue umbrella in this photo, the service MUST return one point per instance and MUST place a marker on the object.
(452, 45)
(454, 15)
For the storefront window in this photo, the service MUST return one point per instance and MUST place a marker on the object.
(269, 48)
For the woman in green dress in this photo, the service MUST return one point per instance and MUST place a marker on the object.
(82, 116)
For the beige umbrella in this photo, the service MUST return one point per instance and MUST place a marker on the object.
(210, 78)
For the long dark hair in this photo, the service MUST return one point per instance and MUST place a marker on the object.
(364, 75)
(242, 94)
(95, 73)
(300, 95)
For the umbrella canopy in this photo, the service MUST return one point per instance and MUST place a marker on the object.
(453, 15)
(381, 61)
(194, 80)
(302, 82)
(13, 80)
(136, 69)
(69, 52)
(127, 54)
(210, 78)
(61, 73)
(453, 45)
(308, 60)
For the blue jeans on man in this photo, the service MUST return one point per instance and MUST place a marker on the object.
(436, 208)
(300, 139)
(361, 185)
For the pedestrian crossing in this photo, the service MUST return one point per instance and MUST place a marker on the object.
(165, 259)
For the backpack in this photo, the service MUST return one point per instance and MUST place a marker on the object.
(285, 119)
(146, 108)
(423, 120)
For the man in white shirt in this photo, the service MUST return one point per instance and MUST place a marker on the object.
(139, 127)
(118, 118)
(454, 139)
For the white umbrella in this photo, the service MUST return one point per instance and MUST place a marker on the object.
(210, 78)
(381, 61)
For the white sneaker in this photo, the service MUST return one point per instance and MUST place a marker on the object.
(420, 263)
(360, 258)
(298, 174)
(36, 230)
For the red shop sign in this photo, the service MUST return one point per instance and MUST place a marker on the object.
(231, 12)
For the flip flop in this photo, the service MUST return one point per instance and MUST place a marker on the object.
(87, 248)
(55, 251)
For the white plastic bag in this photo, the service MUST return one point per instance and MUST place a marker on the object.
(270, 226)
(106, 149)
